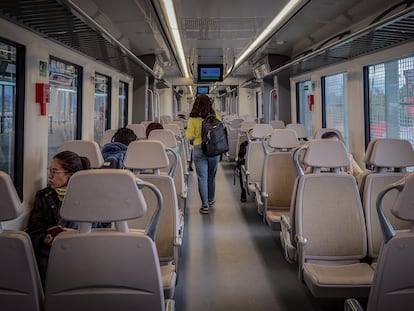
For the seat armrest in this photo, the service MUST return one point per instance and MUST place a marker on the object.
(178, 241)
(285, 222)
(352, 304)
(300, 245)
(169, 305)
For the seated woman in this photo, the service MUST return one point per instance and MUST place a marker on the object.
(44, 217)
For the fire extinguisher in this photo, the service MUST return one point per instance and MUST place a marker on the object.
(311, 101)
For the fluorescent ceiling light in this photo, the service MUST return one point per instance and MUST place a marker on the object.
(169, 12)
(267, 32)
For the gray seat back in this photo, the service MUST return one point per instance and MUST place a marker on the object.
(328, 207)
(330, 225)
(277, 124)
(389, 158)
(139, 130)
(300, 130)
(85, 148)
(108, 269)
(150, 154)
(393, 284)
(20, 284)
(279, 175)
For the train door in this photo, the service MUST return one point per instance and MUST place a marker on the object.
(63, 109)
(304, 104)
(102, 110)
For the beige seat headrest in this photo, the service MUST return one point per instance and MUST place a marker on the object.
(326, 153)
(103, 196)
(261, 130)
(392, 152)
(146, 154)
(283, 139)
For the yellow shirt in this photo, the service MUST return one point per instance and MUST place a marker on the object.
(194, 129)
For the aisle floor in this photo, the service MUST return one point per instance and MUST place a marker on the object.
(231, 260)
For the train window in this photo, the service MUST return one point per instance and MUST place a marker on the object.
(123, 104)
(391, 99)
(102, 115)
(64, 107)
(335, 103)
(12, 79)
(304, 110)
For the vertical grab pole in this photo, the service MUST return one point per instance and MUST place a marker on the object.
(146, 98)
(270, 104)
(152, 104)
(158, 106)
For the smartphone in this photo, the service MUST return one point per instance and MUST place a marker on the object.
(55, 230)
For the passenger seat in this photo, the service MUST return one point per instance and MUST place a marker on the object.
(330, 225)
(389, 159)
(278, 177)
(20, 285)
(105, 269)
(146, 158)
(393, 285)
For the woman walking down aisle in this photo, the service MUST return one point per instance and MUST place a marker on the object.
(206, 167)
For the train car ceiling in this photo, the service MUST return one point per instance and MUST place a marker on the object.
(320, 33)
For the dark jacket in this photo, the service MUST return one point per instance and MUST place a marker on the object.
(114, 154)
(45, 214)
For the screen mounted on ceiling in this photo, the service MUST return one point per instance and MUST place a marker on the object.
(202, 90)
(210, 73)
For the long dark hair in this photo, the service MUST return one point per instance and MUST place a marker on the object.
(153, 126)
(202, 107)
(72, 162)
(124, 135)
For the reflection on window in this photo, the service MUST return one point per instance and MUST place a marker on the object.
(102, 106)
(8, 55)
(63, 107)
(123, 104)
(304, 89)
(336, 103)
(391, 99)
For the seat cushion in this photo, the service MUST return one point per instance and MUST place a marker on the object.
(168, 280)
(273, 216)
(342, 280)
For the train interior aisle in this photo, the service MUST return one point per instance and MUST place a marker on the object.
(230, 259)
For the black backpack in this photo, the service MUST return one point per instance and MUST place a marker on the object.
(214, 136)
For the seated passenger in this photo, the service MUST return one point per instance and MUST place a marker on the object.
(45, 222)
(240, 162)
(354, 169)
(114, 152)
(153, 126)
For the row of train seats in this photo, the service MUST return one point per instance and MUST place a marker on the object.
(333, 230)
(104, 268)
(158, 161)
(329, 224)
(90, 266)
